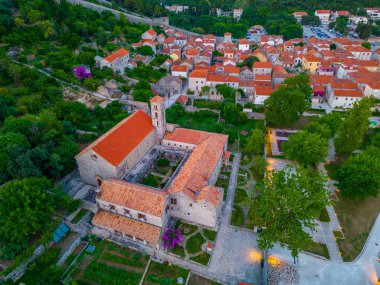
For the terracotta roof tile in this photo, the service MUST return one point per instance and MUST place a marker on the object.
(127, 226)
(122, 139)
(259, 64)
(117, 54)
(133, 196)
(157, 99)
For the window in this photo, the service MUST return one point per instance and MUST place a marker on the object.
(127, 212)
(141, 216)
(94, 157)
(173, 201)
(112, 207)
(191, 205)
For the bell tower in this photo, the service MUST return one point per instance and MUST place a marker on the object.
(157, 110)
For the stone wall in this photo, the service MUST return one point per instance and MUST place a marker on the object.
(90, 166)
(164, 21)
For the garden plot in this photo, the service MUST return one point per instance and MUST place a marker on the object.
(165, 274)
(109, 264)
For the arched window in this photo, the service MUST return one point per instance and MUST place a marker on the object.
(156, 115)
(99, 180)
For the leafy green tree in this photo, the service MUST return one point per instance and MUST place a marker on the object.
(256, 142)
(332, 120)
(364, 30)
(332, 46)
(290, 200)
(174, 113)
(367, 45)
(358, 177)
(285, 106)
(142, 84)
(322, 129)
(353, 128)
(90, 84)
(291, 31)
(145, 50)
(142, 95)
(300, 83)
(311, 20)
(259, 167)
(226, 91)
(341, 23)
(6, 106)
(306, 148)
(25, 209)
(249, 61)
(230, 113)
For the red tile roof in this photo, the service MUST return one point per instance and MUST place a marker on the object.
(157, 99)
(259, 64)
(116, 144)
(117, 54)
(127, 226)
(133, 196)
(179, 68)
(199, 73)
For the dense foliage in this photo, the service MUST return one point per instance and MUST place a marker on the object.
(290, 200)
(359, 175)
(353, 128)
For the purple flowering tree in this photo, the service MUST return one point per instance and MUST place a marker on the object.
(172, 237)
(81, 73)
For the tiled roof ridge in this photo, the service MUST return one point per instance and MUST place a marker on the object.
(106, 134)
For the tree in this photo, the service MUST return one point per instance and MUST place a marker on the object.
(174, 113)
(142, 84)
(230, 113)
(341, 23)
(291, 31)
(332, 120)
(358, 177)
(332, 46)
(249, 61)
(290, 200)
(142, 95)
(364, 30)
(259, 167)
(306, 148)
(285, 106)
(354, 127)
(311, 20)
(322, 129)
(25, 209)
(367, 45)
(256, 142)
(300, 83)
(145, 50)
(90, 84)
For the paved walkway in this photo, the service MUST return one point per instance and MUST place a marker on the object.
(315, 271)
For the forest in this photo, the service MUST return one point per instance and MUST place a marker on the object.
(40, 132)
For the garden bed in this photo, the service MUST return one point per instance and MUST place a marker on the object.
(164, 274)
(210, 234)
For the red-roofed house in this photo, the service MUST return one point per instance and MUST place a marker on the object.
(262, 93)
(149, 35)
(117, 61)
(323, 15)
(299, 15)
(264, 68)
(180, 70)
(243, 45)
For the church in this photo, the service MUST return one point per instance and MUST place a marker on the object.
(120, 162)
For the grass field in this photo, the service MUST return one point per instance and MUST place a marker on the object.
(356, 219)
(319, 249)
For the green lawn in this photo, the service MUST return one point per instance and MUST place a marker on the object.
(164, 274)
(202, 258)
(194, 243)
(237, 218)
(319, 249)
(240, 195)
(186, 229)
(356, 219)
(210, 234)
(178, 250)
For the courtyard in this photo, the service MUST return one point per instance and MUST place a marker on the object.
(157, 168)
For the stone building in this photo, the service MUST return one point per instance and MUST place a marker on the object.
(118, 159)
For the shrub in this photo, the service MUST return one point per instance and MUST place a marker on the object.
(163, 162)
